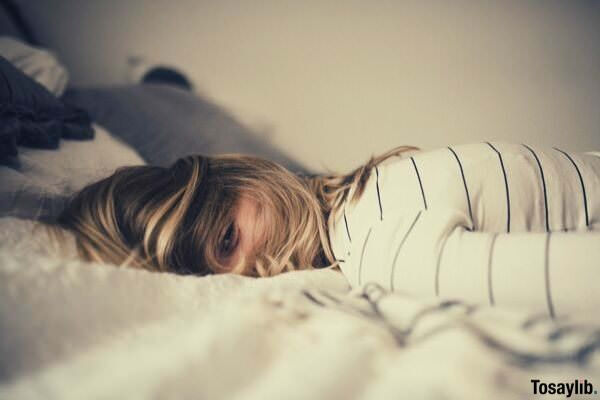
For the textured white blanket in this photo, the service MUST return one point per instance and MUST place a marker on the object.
(72, 330)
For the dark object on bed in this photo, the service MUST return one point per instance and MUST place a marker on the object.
(167, 75)
(32, 116)
(164, 123)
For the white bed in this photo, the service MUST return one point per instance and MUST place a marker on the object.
(75, 330)
(72, 330)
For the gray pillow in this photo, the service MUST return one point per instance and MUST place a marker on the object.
(36, 62)
(164, 123)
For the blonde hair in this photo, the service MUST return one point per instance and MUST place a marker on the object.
(172, 219)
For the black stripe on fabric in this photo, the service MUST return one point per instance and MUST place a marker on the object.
(347, 229)
(505, 186)
(362, 256)
(533, 321)
(400, 248)
(420, 183)
(437, 269)
(543, 185)
(378, 193)
(312, 298)
(585, 204)
(462, 174)
(490, 263)
(547, 277)
(330, 296)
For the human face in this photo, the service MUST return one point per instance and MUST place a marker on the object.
(244, 235)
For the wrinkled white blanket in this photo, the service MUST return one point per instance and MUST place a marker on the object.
(72, 330)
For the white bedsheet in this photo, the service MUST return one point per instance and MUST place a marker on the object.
(71, 330)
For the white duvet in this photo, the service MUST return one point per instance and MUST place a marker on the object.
(71, 330)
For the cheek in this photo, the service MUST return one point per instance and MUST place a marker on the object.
(269, 224)
(258, 231)
(252, 224)
(264, 230)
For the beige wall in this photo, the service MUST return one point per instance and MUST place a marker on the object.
(333, 81)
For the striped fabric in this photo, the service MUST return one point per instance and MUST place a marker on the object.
(504, 224)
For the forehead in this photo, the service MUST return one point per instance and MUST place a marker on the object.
(251, 215)
(246, 206)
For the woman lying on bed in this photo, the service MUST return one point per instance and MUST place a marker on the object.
(497, 223)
